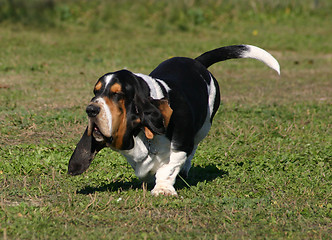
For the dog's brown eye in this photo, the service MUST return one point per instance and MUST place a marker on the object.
(117, 96)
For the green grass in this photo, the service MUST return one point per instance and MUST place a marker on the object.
(264, 171)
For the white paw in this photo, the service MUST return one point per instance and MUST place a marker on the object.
(164, 189)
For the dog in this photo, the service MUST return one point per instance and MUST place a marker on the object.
(156, 121)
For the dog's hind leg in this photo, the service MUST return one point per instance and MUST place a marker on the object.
(187, 165)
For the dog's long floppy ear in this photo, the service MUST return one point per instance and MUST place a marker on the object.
(150, 116)
(154, 114)
(165, 110)
(84, 153)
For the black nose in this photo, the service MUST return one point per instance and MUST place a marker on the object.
(92, 110)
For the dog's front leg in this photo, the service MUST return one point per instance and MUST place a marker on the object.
(166, 174)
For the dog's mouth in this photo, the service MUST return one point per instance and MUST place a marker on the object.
(99, 136)
(97, 133)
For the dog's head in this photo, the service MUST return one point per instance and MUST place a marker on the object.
(120, 109)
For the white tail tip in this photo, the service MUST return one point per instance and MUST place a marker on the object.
(263, 56)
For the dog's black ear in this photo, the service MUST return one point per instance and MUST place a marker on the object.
(85, 151)
(150, 116)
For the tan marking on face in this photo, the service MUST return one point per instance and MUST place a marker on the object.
(119, 121)
(166, 111)
(98, 86)
(116, 88)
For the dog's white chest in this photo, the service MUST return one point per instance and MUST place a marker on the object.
(148, 155)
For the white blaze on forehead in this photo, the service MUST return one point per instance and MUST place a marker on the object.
(108, 79)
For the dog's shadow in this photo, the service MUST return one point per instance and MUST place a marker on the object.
(197, 174)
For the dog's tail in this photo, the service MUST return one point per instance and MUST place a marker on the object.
(238, 51)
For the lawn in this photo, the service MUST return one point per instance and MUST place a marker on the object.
(263, 172)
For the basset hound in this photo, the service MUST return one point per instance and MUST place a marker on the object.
(156, 121)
